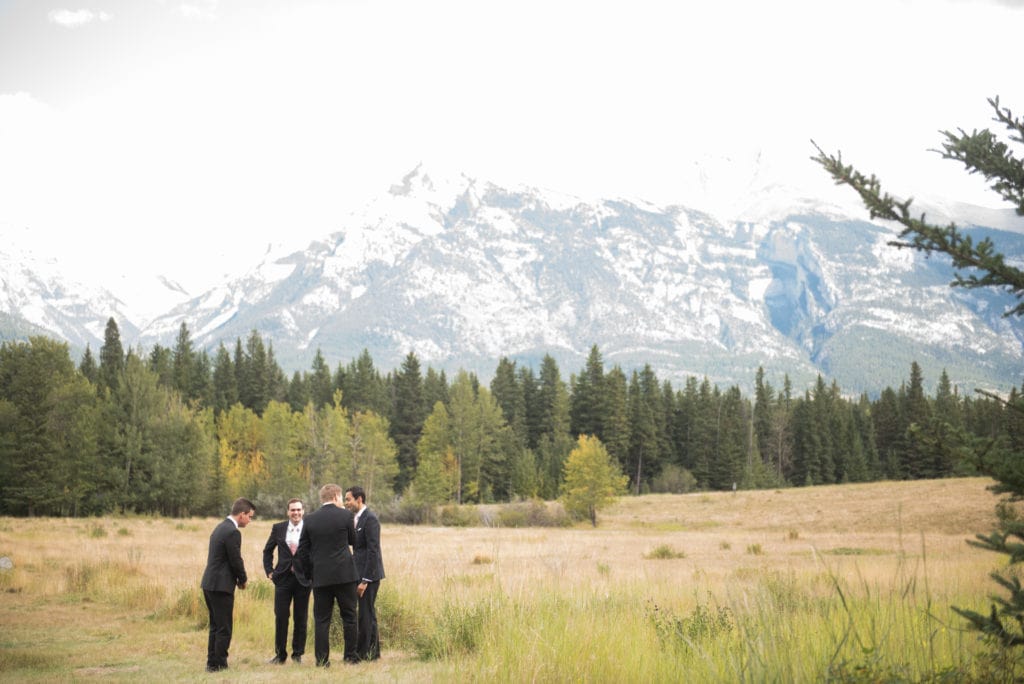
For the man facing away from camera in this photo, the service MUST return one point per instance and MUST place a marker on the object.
(291, 587)
(224, 571)
(370, 566)
(325, 558)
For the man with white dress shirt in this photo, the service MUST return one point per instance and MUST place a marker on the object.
(370, 566)
(291, 585)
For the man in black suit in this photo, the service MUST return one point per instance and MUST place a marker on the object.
(325, 557)
(224, 571)
(291, 588)
(370, 566)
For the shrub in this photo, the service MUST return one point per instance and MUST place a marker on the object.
(674, 479)
(406, 511)
(533, 514)
(684, 632)
(459, 516)
(664, 552)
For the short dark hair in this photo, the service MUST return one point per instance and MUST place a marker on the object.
(242, 505)
(298, 501)
(357, 493)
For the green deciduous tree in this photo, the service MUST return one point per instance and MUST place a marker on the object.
(48, 417)
(437, 477)
(374, 462)
(476, 427)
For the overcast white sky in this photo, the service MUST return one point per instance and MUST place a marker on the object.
(182, 137)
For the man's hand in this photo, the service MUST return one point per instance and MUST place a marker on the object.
(361, 589)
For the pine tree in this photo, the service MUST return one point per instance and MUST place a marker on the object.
(781, 434)
(978, 265)
(648, 438)
(587, 410)
(980, 152)
(705, 432)
(88, 367)
(764, 401)
(298, 394)
(684, 423)
(532, 413)
(507, 392)
(253, 374)
(435, 389)
(277, 382)
(407, 416)
(917, 416)
(362, 386)
(225, 381)
(554, 442)
(617, 430)
(889, 433)
(184, 364)
(111, 356)
(320, 384)
(202, 378)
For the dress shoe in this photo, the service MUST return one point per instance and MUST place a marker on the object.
(296, 659)
(276, 660)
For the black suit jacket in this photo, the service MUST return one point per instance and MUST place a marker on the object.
(324, 553)
(224, 567)
(285, 559)
(369, 562)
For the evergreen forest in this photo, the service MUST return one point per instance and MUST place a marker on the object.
(176, 432)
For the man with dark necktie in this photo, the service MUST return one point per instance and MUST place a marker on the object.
(291, 587)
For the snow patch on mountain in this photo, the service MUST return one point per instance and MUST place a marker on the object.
(461, 271)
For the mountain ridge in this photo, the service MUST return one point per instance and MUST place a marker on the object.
(462, 272)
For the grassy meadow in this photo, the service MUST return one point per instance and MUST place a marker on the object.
(849, 583)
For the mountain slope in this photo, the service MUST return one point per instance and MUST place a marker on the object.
(462, 272)
(37, 299)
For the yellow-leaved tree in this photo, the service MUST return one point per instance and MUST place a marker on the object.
(592, 479)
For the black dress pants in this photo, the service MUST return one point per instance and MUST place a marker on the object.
(324, 599)
(290, 597)
(368, 641)
(221, 605)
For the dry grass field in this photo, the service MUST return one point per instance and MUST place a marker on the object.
(749, 586)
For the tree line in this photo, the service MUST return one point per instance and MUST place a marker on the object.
(176, 432)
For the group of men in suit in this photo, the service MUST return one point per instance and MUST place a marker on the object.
(313, 556)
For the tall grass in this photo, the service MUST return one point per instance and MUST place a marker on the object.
(819, 602)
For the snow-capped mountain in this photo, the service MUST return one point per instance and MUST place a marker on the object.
(36, 298)
(462, 272)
